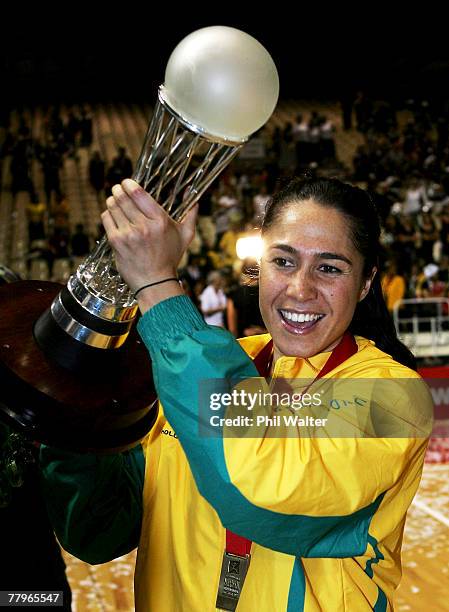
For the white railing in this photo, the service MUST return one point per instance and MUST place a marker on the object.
(423, 325)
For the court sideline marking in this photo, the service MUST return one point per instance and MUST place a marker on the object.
(434, 513)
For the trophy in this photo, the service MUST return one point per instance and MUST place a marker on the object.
(74, 373)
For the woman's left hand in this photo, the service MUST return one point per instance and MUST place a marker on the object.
(147, 243)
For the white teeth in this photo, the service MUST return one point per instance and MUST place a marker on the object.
(300, 317)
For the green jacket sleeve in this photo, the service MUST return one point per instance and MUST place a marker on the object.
(94, 502)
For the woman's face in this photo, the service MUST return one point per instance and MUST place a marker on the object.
(310, 279)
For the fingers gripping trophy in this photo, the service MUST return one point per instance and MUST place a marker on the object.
(91, 386)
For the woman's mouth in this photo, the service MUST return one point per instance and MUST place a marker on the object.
(299, 322)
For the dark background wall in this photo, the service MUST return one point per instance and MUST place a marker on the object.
(120, 53)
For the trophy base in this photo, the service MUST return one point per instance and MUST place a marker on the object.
(71, 353)
(64, 393)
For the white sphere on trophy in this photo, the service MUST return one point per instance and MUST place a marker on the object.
(221, 82)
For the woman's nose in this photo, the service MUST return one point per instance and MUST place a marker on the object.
(302, 286)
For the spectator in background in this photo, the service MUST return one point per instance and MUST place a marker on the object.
(213, 300)
(315, 137)
(120, 169)
(123, 163)
(36, 212)
(389, 235)
(227, 204)
(55, 127)
(428, 285)
(228, 241)
(51, 163)
(20, 169)
(393, 285)
(415, 197)
(362, 164)
(72, 130)
(244, 187)
(40, 249)
(347, 101)
(243, 316)
(412, 280)
(85, 128)
(301, 135)
(113, 175)
(287, 156)
(429, 236)
(97, 173)
(274, 148)
(24, 146)
(327, 132)
(79, 243)
(444, 230)
(443, 275)
(60, 212)
(260, 201)
(363, 111)
(407, 238)
(193, 270)
(7, 146)
(59, 243)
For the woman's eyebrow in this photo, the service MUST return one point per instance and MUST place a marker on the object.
(284, 247)
(325, 255)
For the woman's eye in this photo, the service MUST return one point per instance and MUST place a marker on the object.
(281, 262)
(328, 269)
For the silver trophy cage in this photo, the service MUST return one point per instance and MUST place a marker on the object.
(225, 86)
(177, 164)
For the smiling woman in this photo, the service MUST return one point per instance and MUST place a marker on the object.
(310, 280)
(318, 274)
(259, 520)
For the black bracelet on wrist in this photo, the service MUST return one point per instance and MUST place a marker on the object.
(165, 280)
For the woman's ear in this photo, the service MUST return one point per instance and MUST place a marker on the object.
(367, 284)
